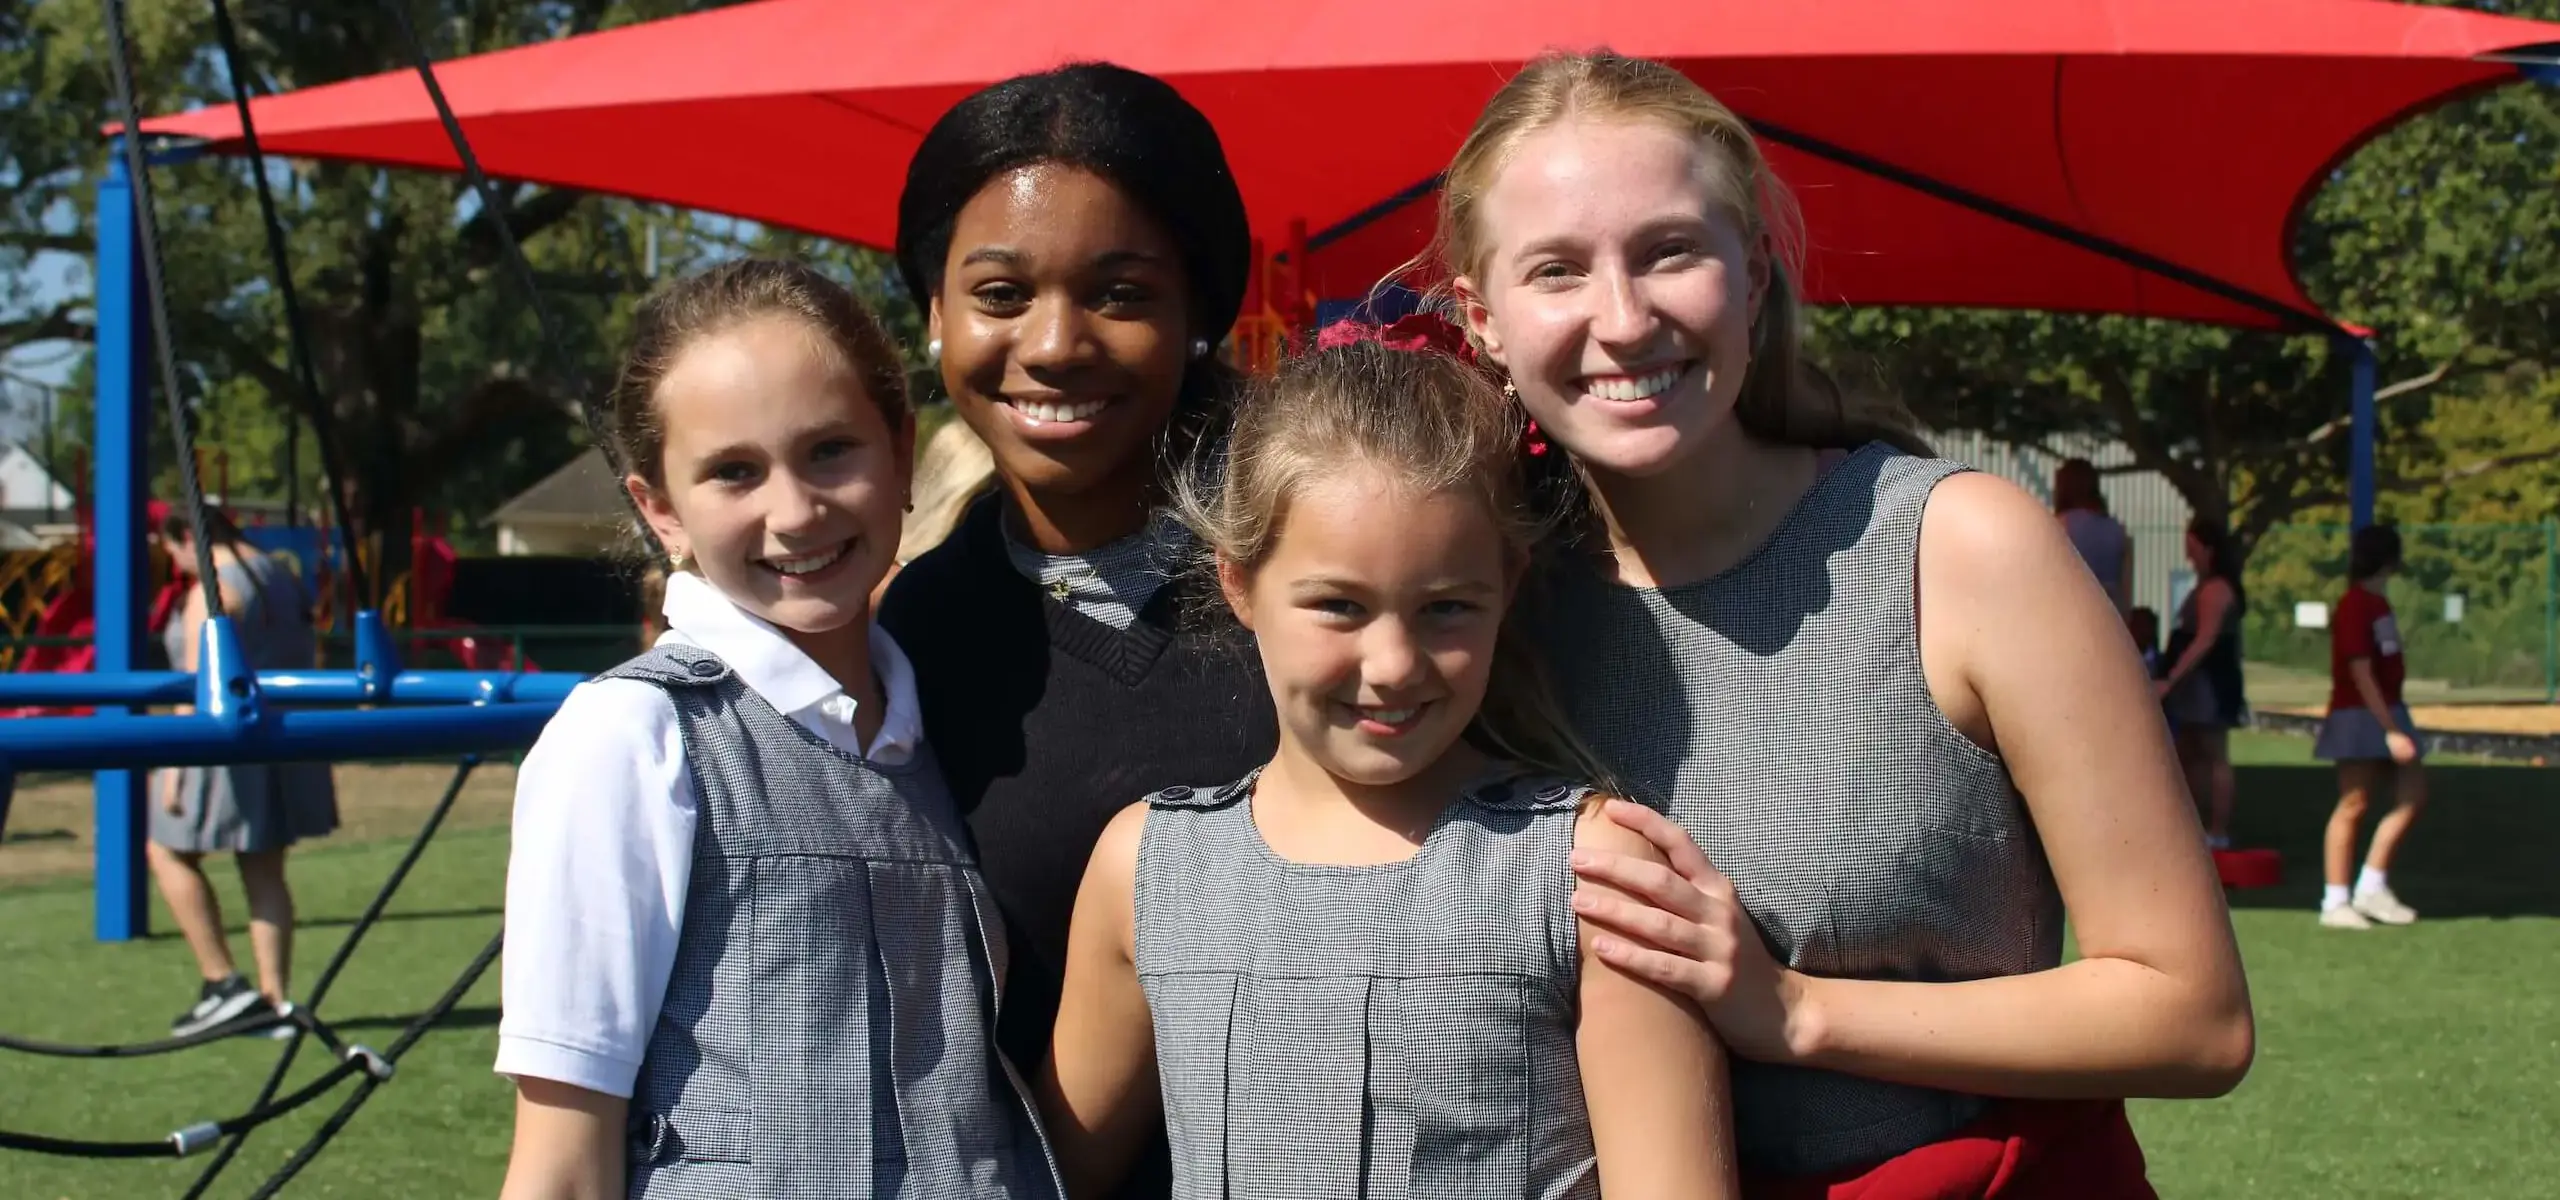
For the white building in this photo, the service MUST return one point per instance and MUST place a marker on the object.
(27, 488)
(576, 511)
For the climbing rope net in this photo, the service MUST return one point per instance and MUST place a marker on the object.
(355, 1060)
(228, 691)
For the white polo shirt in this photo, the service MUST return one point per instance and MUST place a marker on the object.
(603, 847)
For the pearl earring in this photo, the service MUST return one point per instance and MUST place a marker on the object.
(933, 350)
(1199, 347)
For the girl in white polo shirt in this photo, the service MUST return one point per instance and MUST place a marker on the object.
(748, 951)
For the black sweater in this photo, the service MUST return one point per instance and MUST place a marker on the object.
(1048, 722)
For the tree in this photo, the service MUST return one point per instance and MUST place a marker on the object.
(434, 375)
(2437, 235)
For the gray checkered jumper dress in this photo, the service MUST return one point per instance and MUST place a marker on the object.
(250, 807)
(1397, 1032)
(828, 1029)
(1779, 712)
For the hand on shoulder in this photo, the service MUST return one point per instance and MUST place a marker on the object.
(1593, 831)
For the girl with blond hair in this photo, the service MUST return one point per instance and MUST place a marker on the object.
(1882, 693)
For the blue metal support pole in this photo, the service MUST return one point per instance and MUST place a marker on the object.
(2360, 479)
(306, 689)
(122, 908)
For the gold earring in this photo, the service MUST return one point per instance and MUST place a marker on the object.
(675, 558)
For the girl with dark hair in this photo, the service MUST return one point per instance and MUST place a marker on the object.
(2202, 687)
(255, 810)
(2371, 737)
(747, 951)
(2097, 535)
(1081, 251)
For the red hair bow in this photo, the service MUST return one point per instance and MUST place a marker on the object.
(1425, 330)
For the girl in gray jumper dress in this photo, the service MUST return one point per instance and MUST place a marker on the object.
(1881, 694)
(749, 950)
(1357, 971)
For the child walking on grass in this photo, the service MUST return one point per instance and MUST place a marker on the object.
(2369, 735)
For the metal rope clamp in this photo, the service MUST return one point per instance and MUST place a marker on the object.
(195, 1137)
(374, 1063)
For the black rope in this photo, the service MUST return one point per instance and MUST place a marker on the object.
(323, 423)
(36, 1143)
(352, 1059)
(146, 226)
(492, 203)
(297, 1017)
(493, 206)
(338, 961)
(188, 1140)
(355, 1100)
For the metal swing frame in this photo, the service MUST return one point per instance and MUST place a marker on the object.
(375, 709)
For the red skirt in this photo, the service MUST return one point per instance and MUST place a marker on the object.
(2016, 1150)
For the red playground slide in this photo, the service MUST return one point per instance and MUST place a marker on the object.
(71, 614)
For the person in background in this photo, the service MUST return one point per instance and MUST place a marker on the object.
(2369, 735)
(2099, 537)
(254, 810)
(2144, 624)
(953, 469)
(2202, 686)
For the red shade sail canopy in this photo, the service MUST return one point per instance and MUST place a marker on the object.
(2090, 155)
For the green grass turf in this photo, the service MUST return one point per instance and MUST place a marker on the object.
(439, 1128)
(2412, 1062)
(2398, 1062)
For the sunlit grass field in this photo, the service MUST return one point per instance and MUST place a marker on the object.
(2401, 1062)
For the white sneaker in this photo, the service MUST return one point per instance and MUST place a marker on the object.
(2343, 916)
(2382, 906)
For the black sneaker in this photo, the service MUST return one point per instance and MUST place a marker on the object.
(221, 1001)
(269, 1010)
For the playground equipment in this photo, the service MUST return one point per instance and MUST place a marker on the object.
(240, 714)
(47, 604)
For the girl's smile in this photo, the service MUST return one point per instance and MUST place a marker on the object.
(1616, 291)
(1376, 614)
(784, 481)
(1063, 320)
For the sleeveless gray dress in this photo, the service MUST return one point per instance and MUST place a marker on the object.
(250, 807)
(1778, 711)
(829, 1024)
(1402, 1031)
